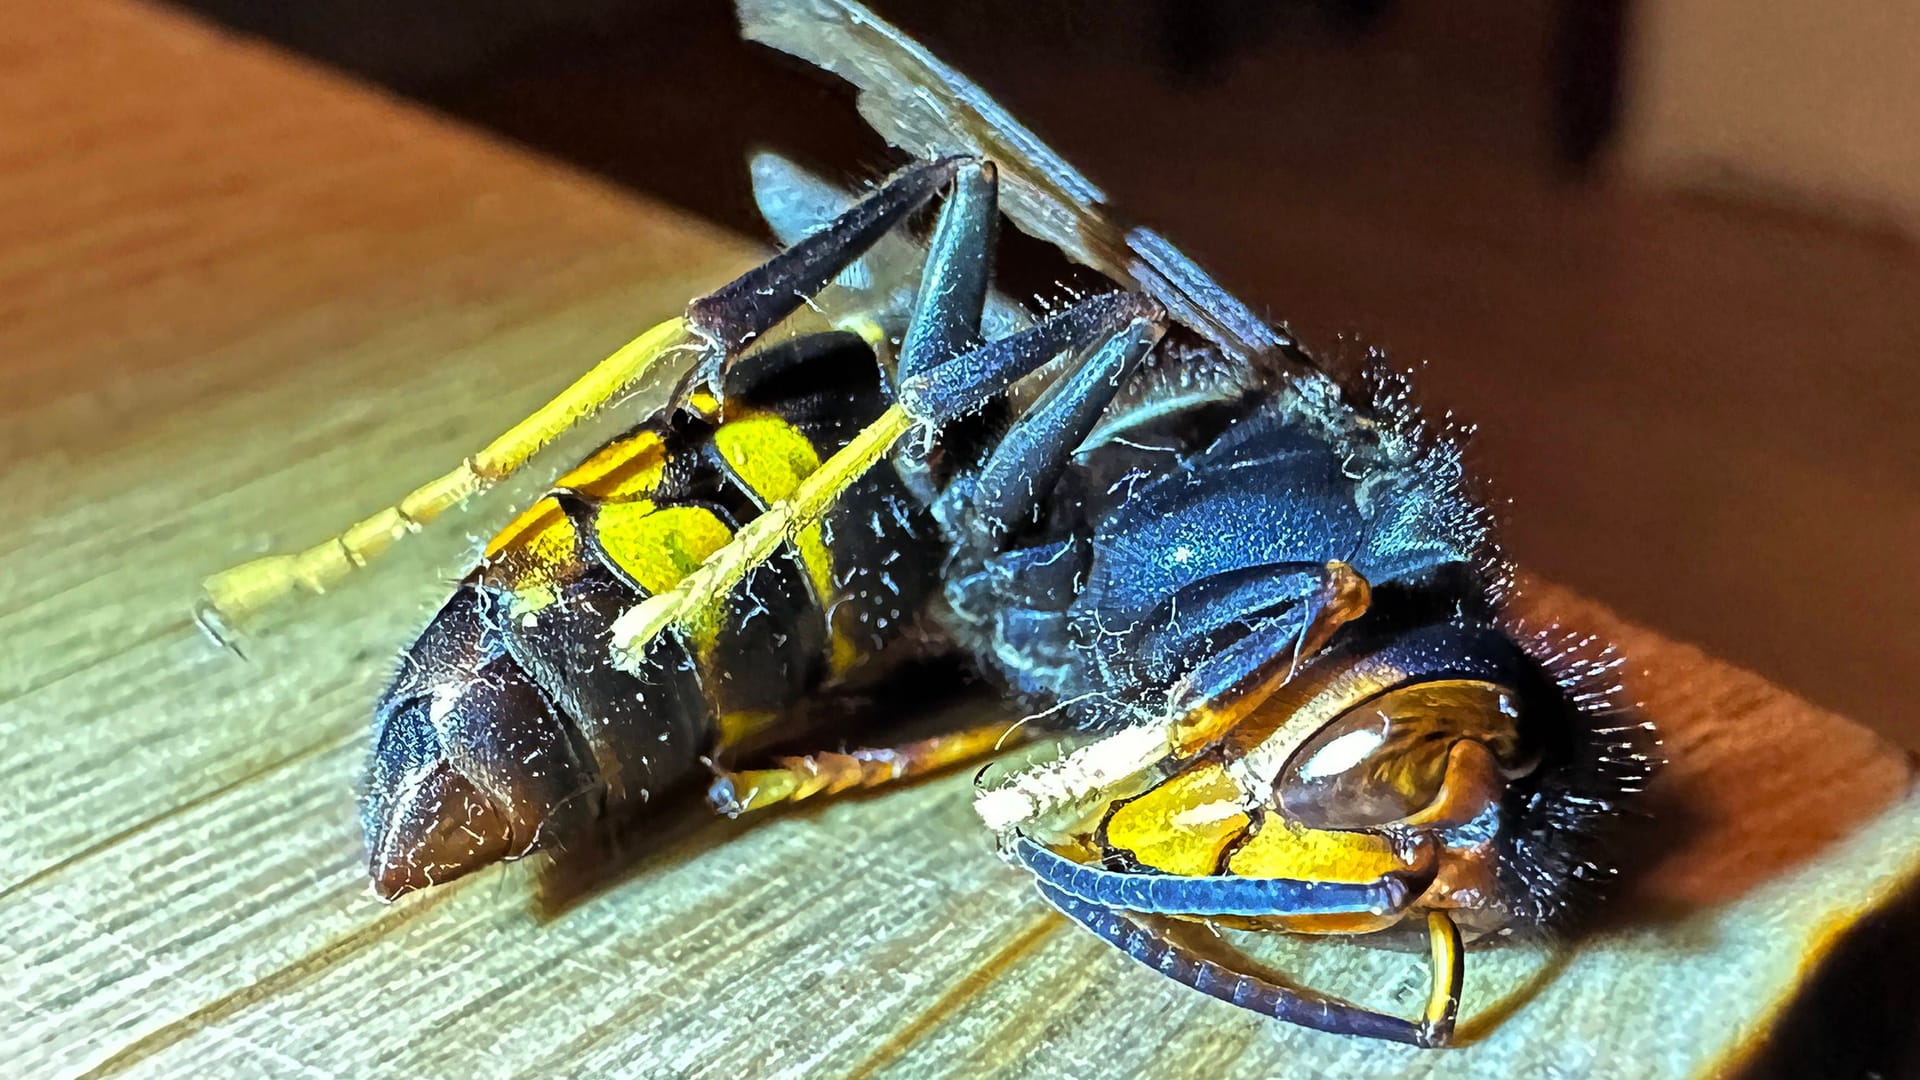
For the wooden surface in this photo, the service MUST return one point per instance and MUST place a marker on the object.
(244, 302)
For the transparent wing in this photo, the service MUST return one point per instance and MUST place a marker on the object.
(927, 109)
(881, 285)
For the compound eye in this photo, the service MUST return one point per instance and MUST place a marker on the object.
(1385, 759)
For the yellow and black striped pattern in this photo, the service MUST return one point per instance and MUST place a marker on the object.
(645, 510)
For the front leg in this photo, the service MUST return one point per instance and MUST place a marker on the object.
(1295, 1006)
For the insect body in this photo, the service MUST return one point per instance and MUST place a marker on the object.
(1270, 600)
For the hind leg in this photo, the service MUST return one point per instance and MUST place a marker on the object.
(1106, 337)
(942, 376)
(791, 779)
(692, 348)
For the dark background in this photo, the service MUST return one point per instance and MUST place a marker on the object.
(617, 86)
(1698, 406)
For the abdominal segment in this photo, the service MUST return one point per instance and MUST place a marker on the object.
(508, 728)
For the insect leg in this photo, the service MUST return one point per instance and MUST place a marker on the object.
(945, 322)
(753, 303)
(795, 778)
(940, 394)
(242, 591)
(947, 308)
(962, 384)
(1204, 706)
(754, 542)
(946, 318)
(953, 287)
(1023, 469)
(1248, 991)
(1222, 894)
(710, 332)
(1215, 696)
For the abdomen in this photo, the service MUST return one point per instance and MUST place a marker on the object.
(507, 727)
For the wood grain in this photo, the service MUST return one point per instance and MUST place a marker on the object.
(242, 301)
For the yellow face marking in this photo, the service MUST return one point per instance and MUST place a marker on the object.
(533, 556)
(656, 547)
(1186, 824)
(1287, 849)
(625, 469)
(770, 458)
(1183, 825)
